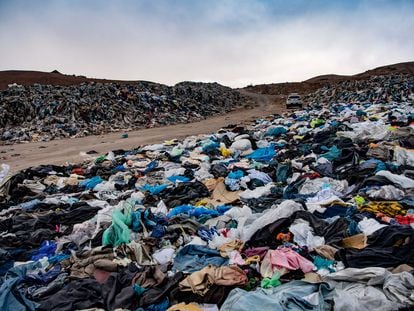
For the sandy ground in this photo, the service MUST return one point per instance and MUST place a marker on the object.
(21, 156)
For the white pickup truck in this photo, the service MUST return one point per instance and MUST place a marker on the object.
(293, 100)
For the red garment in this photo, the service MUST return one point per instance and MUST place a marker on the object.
(311, 176)
(405, 220)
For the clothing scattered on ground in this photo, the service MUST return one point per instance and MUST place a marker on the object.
(310, 210)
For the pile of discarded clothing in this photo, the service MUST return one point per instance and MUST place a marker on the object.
(45, 112)
(395, 88)
(311, 210)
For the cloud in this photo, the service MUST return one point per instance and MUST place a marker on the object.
(232, 42)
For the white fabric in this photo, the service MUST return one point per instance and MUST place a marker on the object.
(369, 225)
(315, 185)
(403, 156)
(164, 255)
(284, 209)
(257, 192)
(303, 234)
(5, 168)
(387, 192)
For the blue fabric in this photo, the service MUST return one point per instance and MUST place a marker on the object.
(119, 168)
(44, 277)
(143, 216)
(353, 228)
(91, 183)
(46, 249)
(207, 234)
(333, 153)
(158, 231)
(283, 172)
(5, 266)
(157, 189)
(58, 258)
(161, 306)
(30, 204)
(264, 154)
(193, 258)
(191, 211)
(379, 165)
(236, 174)
(322, 263)
(139, 290)
(12, 299)
(151, 166)
(176, 178)
(276, 131)
(211, 146)
(223, 208)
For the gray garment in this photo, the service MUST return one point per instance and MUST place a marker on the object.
(371, 288)
(295, 295)
(400, 288)
(353, 296)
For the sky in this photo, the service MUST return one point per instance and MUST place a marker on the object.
(233, 42)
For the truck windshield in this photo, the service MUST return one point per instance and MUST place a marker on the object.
(294, 97)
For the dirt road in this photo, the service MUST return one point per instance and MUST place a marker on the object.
(21, 156)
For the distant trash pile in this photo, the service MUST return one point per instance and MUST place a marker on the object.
(397, 88)
(312, 210)
(45, 112)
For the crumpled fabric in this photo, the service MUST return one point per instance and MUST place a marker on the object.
(199, 282)
(284, 258)
(295, 295)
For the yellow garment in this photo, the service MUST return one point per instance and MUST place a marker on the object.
(388, 208)
(201, 203)
(252, 259)
(298, 137)
(169, 142)
(225, 152)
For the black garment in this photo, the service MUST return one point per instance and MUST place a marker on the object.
(219, 170)
(78, 294)
(30, 229)
(184, 193)
(390, 246)
(158, 293)
(215, 295)
(333, 232)
(118, 292)
(263, 203)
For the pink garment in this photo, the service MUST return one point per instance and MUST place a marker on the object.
(287, 258)
(236, 258)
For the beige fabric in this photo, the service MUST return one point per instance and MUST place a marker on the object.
(221, 195)
(402, 268)
(226, 248)
(199, 282)
(326, 251)
(358, 241)
(184, 307)
(85, 263)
